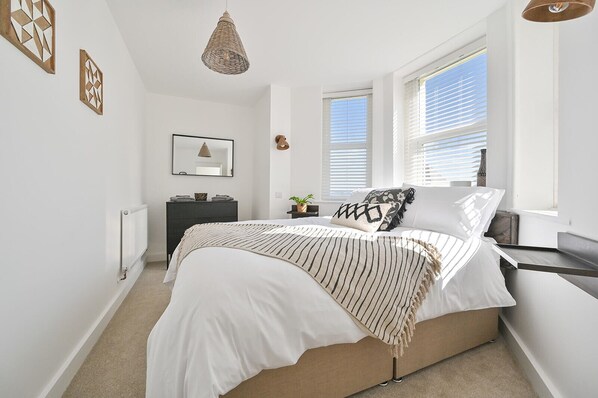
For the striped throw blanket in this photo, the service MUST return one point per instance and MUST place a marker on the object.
(380, 280)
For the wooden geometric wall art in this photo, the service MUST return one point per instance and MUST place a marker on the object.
(91, 83)
(29, 26)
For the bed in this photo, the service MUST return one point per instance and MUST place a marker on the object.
(241, 325)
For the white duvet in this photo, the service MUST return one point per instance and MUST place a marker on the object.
(234, 313)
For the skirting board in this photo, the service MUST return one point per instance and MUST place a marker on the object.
(156, 257)
(61, 380)
(532, 369)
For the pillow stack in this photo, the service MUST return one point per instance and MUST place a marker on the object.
(464, 212)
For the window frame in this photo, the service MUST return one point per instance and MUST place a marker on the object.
(327, 147)
(419, 77)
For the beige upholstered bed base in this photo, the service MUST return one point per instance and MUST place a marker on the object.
(344, 369)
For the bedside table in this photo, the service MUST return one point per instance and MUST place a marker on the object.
(575, 259)
(312, 211)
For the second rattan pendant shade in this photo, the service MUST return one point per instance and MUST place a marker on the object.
(204, 152)
(224, 52)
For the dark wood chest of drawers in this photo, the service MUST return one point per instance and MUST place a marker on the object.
(182, 215)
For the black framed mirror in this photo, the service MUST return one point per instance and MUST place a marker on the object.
(202, 156)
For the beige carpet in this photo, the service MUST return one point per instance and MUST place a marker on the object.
(116, 365)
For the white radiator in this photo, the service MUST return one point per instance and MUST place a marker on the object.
(133, 237)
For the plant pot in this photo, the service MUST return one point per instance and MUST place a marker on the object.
(302, 208)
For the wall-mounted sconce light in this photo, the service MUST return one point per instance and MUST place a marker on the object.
(281, 143)
(204, 152)
(556, 11)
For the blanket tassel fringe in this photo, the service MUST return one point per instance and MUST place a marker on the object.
(433, 256)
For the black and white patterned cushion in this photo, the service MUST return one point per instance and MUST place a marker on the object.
(395, 196)
(363, 216)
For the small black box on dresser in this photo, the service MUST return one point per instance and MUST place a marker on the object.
(182, 215)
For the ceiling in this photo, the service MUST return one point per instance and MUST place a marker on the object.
(289, 43)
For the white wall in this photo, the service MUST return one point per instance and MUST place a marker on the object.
(60, 213)
(534, 123)
(261, 161)
(393, 161)
(578, 131)
(280, 161)
(554, 322)
(306, 146)
(499, 42)
(378, 127)
(272, 187)
(172, 115)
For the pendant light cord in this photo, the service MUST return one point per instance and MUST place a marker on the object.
(226, 6)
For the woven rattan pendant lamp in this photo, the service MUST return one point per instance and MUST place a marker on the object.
(556, 11)
(225, 53)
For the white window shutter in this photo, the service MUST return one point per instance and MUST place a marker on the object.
(445, 127)
(346, 146)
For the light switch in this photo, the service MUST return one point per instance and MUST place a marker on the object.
(278, 195)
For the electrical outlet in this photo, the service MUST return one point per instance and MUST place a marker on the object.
(278, 195)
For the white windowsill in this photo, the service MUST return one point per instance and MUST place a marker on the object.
(545, 215)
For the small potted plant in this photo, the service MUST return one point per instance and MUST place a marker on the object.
(302, 202)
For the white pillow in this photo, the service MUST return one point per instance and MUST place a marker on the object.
(366, 217)
(358, 195)
(459, 211)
